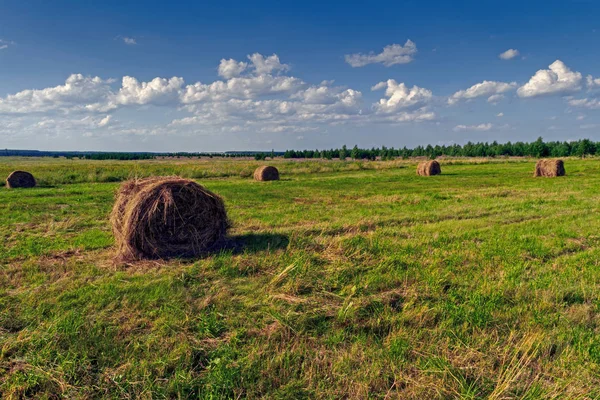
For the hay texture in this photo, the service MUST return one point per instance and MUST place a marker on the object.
(162, 217)
(429, 168)
(20, 179)
(549, 168)
(266, 173)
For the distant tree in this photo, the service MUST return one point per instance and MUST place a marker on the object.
(343, 153)
(539, 148)
(355, 153)
(585, 147)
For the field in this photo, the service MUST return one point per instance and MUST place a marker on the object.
(348, 280)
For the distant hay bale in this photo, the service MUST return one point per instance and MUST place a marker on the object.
(163, 217)
(266, 173)
(20, 179)
(549, 168)
(429, 168)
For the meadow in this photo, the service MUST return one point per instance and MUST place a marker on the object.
(347, 279)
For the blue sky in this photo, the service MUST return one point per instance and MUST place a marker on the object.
(211, 76)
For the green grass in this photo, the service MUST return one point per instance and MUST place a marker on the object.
(357, 280)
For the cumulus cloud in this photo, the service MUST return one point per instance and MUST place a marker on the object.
(558, 79)
(327, 95)
(241, 87)
(157, 91)
(479, 128)
(592, 83)
(592, 104)
(129, 41)
(391, 55)
(231, 68)
(509, 54)
(78, 92)
(492, 89)
(499, 115)
(399, 96)
(495, 99)
(267, 65)
(251, 96)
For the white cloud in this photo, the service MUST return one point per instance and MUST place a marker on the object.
(495, 98)
(5, 44)
(399, 96)
(105, 121)
(419, 115)
(78, 92)
(157, 91)
(257, 96)
(391, 55)
(593, 83)
(593, 104)
(557, 80)
(267, 65)
(241, 87)
(486, 88)
(129, 41)
(231, 68)
(509, 54)
(325, 94)
(479, 128)
(499, 115)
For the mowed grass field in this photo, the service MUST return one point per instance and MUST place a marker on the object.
(347, 280)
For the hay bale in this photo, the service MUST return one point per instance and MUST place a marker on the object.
(163, 217)
(266, 173)
(20, 179)
(429, 168)
(549, 168)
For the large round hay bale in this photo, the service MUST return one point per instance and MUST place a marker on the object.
(266, 173)
(163, 217)
(429, 168)
(20, 179)
(549, 168)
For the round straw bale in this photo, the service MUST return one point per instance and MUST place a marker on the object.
(429, 168)
(266, 173)
(549, 168)
(163, 217)
(20, 179)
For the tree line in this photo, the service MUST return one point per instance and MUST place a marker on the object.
(539, 149)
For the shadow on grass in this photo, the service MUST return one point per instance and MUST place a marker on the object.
(249, 243)
(254, 243)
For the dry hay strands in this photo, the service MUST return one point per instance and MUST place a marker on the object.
(429, 168)
(266, 173)
(162, 217)
(549, 168)
(20, 179)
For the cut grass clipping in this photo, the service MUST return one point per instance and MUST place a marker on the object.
(429, 168)
(266, 173)
(20, 179)
(549, 168)
(162, 217)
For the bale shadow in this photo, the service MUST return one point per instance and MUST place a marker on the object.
(254, 243)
